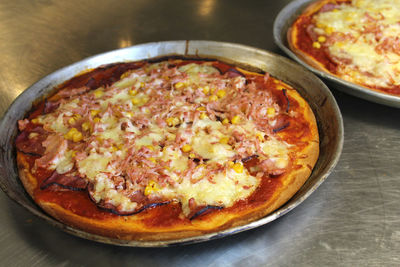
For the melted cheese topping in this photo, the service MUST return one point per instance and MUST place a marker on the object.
(363, 38)
(161, 141)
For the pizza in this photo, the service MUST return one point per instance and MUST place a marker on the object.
(166, 149)
(357, 41)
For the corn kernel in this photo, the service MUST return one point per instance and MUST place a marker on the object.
(132, 92)
(221, 93)
(152, 160)
(213, 98)
(35, 120)
(150, 147)
(150, 188)
(231, 163)
(224, 140)
(70, 133)
(94, 112)
(73, 154)
(206, 89)
(328, 30)
(186, 148)
(142, 84)
(172, 121)
(98, 93)
(237, 167)
(192, 155)
(225, 121)
(124, 75)
(271, 111)
(201, 109)
(203, 116)
(321, 39)
(85, 126)
(316, 45)
(114, 148)
(135, 100)
(96, 120)
(71, 121)
(77, 137)
(235, 119)
(179, 85)
(260, 136)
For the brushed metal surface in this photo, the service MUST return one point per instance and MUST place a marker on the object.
(351, 220)
(283, 22)
(327, 113)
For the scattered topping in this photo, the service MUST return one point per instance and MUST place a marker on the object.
(141, 141)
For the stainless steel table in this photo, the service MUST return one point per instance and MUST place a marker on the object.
(353, 219)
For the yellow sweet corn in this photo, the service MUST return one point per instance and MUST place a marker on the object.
(206, 89)
(179, 85)
(150, 147)
(221, 93)
(203, 116)
(225, 121)
(172, 121)
(224, 140)
(260, 136)
(237, 167)
(35, 120)
(271, 111)
(71, 121)
(98, 93)
(74, 135)
(186, 148)
(151, 188)
(135, 100)
(132, 92)
(213, 98)
(94, 112)
(86, 126)
(321, 39)
(78, 136)
(235, 119)
(316, 45)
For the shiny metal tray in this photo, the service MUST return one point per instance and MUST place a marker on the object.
(282, 24)
(322, 102)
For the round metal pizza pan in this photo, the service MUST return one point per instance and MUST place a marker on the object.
(328, 116)
(281, 26)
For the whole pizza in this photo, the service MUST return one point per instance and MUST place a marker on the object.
(167, 148)
(356, 40)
